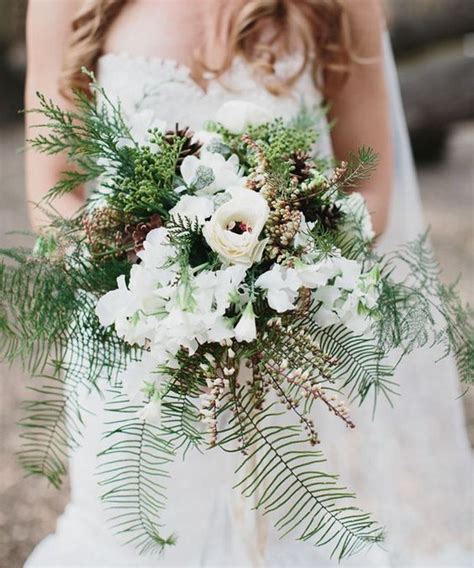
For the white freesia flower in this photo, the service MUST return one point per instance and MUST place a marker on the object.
(193, 207)
(234, 228)
(357, 218)
(151, 412)
(317, 274)
(246, 329)
(211, 172)
(237, 115)
(281, 285)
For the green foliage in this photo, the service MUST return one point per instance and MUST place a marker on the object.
(286, 480)
(417, 309)
(47, 321)
(149, 186)
(133, 472)
(89, 135)
(277, 139)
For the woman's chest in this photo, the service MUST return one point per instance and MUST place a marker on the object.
(171, 29)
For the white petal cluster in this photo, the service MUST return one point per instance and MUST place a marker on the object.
(166, 312)
(344, 293)
(211, 172)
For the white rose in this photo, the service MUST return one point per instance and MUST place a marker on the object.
(236, 116)
(234, 228)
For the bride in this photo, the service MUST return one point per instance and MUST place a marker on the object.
(180, 60)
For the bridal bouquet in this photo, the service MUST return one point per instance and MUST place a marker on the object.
(223, 287)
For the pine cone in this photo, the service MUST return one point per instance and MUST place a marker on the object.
(101, 226)
(301, 165)
(189, 147)
(330, 216)
(134, 235)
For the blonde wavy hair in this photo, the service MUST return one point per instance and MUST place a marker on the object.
(259, 31)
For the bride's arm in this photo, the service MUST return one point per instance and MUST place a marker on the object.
(361, 108)
(48, 25)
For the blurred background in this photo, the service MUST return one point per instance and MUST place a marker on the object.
(434, 46)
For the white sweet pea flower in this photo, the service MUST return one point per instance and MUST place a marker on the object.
(138, 374)
(115, 304)
(228, 281)
(156, 248)
(193, 207)
(348, 273)
(318, 274)
(211, 172)
(246, 329)
(281, 285)
(236, 116)
(234, 228)
(151, 412)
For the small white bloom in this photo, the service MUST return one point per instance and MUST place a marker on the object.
(151, 413)
(193, 207)
(237, 115)
(246, 329)
(139, 373)
(281, 285)
(211, 172)
(115, 303)
(349, 272)
(156, 248)
(234, 228)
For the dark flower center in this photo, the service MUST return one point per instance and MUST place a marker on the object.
(239, 227)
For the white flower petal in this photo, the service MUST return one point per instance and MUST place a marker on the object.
(237, 115)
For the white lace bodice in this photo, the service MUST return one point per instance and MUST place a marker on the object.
(166, 87)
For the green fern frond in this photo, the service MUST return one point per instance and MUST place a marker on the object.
(286, 480)
(420, 310)
(133, 471)
(360, 368)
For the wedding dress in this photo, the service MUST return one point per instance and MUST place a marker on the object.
(410, 465)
